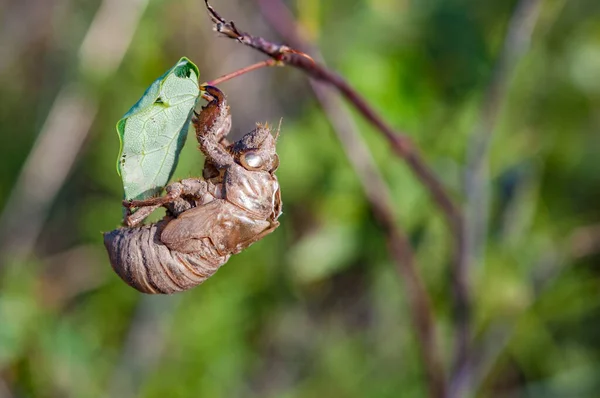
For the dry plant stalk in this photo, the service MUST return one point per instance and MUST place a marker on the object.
(397, 240)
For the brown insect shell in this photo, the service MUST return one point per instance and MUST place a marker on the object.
(144, 262)
(250, 205)
(236, 204)
(234, 210)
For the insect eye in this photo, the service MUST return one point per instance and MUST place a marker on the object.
(251, 161)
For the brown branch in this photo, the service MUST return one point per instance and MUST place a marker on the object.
(377, 193)
(401, 145)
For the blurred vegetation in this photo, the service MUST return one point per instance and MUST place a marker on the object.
(315, 309)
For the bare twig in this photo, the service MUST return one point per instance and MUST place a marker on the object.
(400, 143)
(377, 194)
(242, 71)
(516, 44)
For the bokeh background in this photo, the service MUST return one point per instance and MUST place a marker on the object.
(316, 309)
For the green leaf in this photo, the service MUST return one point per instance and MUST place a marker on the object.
(154, 130)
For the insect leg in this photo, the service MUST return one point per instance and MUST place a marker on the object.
(133, 219)
(215, 153)
(174, 191)
(214, 120)
(192, 187)
(145, 207)
(212, 125)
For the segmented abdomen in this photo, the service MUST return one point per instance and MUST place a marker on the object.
(140, 258)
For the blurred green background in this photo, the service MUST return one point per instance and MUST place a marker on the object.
(316, 309)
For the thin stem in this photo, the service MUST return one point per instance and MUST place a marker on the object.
(401, 144)
(377, 193)
(242, 71)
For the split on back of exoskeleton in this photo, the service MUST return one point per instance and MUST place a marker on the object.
(236, 204)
